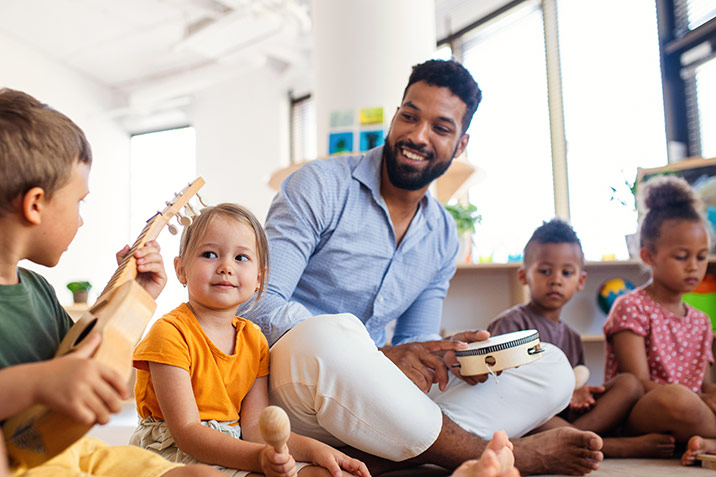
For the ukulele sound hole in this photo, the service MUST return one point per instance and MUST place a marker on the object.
(490, 360)
(85, 332)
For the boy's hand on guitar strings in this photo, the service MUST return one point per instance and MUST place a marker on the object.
(80, 387)
(150, 267)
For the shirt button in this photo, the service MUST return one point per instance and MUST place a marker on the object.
(380, 299)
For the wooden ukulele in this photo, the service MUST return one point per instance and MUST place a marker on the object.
(120, 315)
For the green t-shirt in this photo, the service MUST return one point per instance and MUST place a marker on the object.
(32, 321)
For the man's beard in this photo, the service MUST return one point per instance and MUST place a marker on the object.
(404, 176)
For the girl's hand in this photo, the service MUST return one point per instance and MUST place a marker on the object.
(334, 460)
(274, 464)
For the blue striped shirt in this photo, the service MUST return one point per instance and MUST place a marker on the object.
(333, 250)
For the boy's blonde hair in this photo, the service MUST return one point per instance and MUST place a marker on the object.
(196, 230)
(38, 147)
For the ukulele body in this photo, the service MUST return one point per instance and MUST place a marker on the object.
(38, 433)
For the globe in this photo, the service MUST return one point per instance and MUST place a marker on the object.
(610, 291)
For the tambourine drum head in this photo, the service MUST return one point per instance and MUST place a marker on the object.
(500, 352)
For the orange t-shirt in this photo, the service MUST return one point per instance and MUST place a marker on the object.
(220, 382)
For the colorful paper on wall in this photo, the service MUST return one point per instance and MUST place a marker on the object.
(371, 115)
(340, 143)
(342, 119)
(371, 139)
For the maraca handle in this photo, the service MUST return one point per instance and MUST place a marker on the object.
(275, 428)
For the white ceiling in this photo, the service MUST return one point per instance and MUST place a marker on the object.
(152, 50)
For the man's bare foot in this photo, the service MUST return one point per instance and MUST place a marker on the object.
(563, 450)
(649, 445)
(697, 445)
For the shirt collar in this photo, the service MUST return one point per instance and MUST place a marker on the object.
(368, 173)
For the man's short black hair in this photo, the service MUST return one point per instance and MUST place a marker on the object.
(449, 74)
(554, 231)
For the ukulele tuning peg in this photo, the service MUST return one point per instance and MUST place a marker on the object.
(172, 229)
(183, 220)
(201, 200)
(190, 211)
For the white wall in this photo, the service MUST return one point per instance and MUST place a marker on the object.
(242, 137)
(91, 255)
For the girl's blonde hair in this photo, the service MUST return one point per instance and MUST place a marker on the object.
(197, 229)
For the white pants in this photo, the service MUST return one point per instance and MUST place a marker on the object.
(339, 388)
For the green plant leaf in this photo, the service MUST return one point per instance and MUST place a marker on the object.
(77, 286)
(465, 216)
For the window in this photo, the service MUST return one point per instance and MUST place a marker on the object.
(303, 129)
(613, 113)
(706, 99)
(608, 120)
(687, 44)
(509, 135)
(171, 156)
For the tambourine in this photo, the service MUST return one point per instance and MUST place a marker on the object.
(500, 352)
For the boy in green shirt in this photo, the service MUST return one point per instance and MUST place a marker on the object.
(45, 162)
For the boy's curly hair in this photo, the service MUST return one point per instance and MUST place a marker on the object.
(554, 231)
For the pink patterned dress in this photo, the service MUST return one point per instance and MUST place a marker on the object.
(677, 348)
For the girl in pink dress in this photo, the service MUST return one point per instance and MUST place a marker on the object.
(654, 335)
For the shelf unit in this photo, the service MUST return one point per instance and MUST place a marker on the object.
(479, 292)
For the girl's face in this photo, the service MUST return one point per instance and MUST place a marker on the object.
(223, 272)
(681, 255)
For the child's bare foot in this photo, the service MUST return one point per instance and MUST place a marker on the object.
(488, 466)
(697, 445)
(563, 450)
(649, 445)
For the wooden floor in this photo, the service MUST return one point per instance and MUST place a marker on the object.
(608, 468)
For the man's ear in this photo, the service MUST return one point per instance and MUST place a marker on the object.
(462, 144)
(33, 205)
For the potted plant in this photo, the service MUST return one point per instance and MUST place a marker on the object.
(626, 196)
(466, 217)
(79, 291)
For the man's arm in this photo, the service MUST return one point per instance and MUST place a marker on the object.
(293, 229)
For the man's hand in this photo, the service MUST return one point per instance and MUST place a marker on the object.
(451, 360)
(583, 398)
(80, 387)
(150, 267)
(423, 362)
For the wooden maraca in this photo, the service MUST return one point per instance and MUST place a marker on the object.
(275, 428)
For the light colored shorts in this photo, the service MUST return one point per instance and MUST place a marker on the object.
(153, 434)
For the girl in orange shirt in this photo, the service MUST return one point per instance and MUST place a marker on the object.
(202, 372)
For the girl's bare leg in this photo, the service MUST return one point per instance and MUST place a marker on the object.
(196, 470)
(673, 409)
(315, 471)
(613, 406)
(4, 471)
